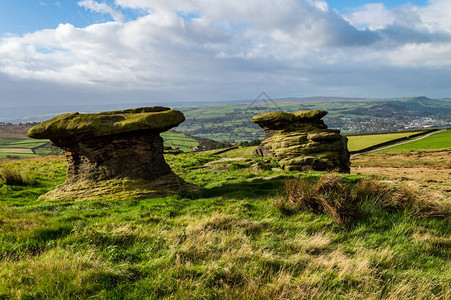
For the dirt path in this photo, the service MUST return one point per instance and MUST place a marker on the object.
(402, 143)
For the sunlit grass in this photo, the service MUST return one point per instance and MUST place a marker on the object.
(358, 142)
(227, 241)
(436, 141)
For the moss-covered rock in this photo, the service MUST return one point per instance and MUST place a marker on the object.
(279, 120)
(116, 154)
(119, 189)
(301, 141)
(72, 127)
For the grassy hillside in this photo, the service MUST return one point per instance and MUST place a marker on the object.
(15, 143)
(180, 140)
(245, 235)
(436, 141)
(359, 142)
(23, 148)
(14, 131)
(232, 121)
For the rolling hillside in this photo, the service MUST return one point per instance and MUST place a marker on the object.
(243, 235)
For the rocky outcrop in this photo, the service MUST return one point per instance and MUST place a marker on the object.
(115, 154)
(301, 141)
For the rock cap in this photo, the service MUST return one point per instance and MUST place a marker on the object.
(279, 119)
(72, 127)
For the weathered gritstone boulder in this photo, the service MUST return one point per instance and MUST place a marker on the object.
(115, 154)
(301, 141)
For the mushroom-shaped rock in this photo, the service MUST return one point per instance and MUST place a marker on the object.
(280, 120)
(301, 141)
(117, 154)
(71, 127)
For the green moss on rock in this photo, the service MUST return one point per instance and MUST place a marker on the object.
(276, 119)
(301, 141)
(75, 126)
(324, 136)
(119, 189)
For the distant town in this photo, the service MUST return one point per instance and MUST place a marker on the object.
(365, 125)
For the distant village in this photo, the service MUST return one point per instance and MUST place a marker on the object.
(366, 125)
(244, 130)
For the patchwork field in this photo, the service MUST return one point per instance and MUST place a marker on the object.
(232, 121)
(175, 139)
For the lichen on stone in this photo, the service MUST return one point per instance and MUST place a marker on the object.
(279, 119)
(301, 141)
(72, 127)
(116, 154)
(119, 189)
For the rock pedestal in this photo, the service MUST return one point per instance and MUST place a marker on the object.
(301, 141)
(116, 154)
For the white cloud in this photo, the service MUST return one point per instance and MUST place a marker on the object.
(372, 16)
(102, 8)
(238, 48)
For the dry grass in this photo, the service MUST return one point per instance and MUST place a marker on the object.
(15, 176)
(429, 168)
(233, 245)
(344, 201)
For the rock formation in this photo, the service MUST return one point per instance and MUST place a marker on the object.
(301, 141)
(116, 154)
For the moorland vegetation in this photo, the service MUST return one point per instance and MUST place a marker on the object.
(252, 231)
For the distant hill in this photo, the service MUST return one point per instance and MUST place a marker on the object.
(14, 131)
(231, 120)
(310, 99)
(351, 115)
(415, 107)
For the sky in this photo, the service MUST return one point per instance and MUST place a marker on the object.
(144, 51)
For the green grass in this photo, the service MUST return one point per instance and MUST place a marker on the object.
(228, 241)
(21, 144)
(7, 141)
(238, 152)
(436, 141)
(180, 140)
(359, 142)
(15, 155)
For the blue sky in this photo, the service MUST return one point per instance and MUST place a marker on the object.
(23, 16)
(344, 5)
(117, 51)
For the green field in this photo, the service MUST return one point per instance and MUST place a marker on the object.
(436, 141)
(180, 140)
(239, 152)
(359, 142)
(23, 148)
(235, 239)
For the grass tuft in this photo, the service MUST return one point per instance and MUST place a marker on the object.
(16, 176)
(346, 202)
